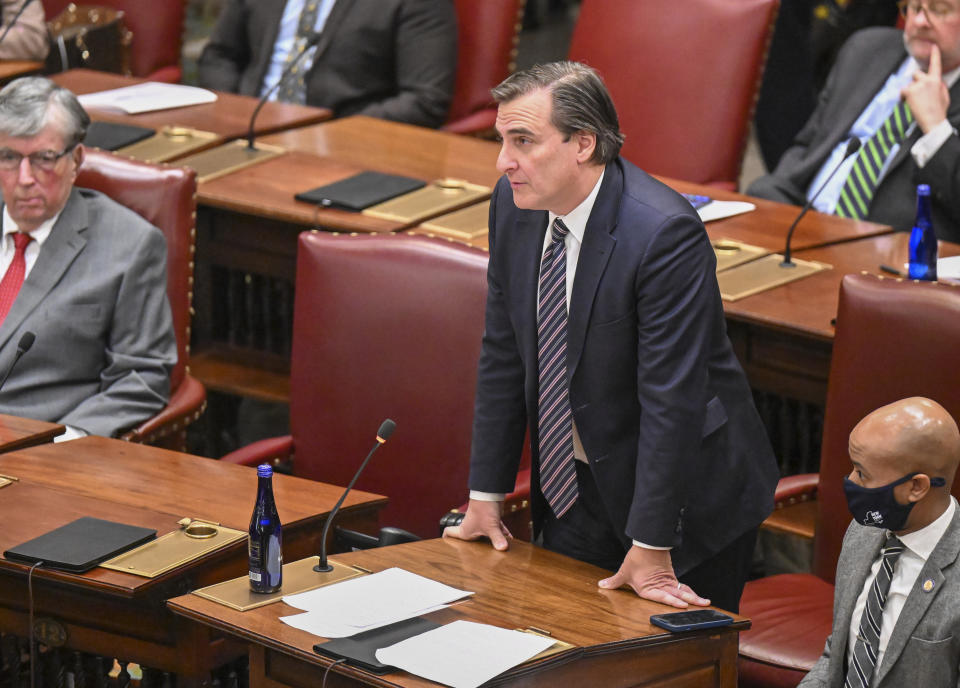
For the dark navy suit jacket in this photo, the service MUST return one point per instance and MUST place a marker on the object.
(660, 402)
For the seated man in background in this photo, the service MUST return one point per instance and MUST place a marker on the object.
(393, 59)
(896, 610)
(26, 35)
(87, 276)
(897, 93)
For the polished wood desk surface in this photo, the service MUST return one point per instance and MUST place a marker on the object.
(228, 116)
(525, 587)
(14, 69)
(121, 615)
(18, 433)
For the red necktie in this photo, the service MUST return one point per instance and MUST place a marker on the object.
(13, 279)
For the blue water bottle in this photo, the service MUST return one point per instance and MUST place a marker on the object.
(923, 241)
(266, 537)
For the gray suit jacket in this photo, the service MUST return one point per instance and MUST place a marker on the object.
(862, 67)
(924, 648)
(393, 59)
(96, 299)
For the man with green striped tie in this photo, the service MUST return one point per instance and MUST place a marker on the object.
(898, 94)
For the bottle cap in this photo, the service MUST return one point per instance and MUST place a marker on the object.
(264, 470)
(923, 189)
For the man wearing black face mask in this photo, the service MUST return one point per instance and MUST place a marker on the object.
(896, 611)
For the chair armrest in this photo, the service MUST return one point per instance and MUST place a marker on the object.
(262, 451)
(186, 404)
(476, 123)
(796, 488)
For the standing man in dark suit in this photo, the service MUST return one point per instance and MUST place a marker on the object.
(877, 69)
(393, 59)
(87, 276)
(649, 457)
(896, 609)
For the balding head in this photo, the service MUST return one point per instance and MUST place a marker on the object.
(914, 435)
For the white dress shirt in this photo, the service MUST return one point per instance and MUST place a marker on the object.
(917, 547)
(286, 38)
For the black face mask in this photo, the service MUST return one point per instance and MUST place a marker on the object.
(876, 506)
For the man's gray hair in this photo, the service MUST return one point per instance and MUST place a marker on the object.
(29, 104)
(581, 102)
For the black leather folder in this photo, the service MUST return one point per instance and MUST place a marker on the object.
(360, 191)
(80, 545)
(111, 136)
(359, 650)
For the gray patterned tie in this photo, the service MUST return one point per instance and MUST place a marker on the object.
(294, 89)
(864, 659)
(558, 476)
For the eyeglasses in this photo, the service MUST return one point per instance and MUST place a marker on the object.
(41, 161)
(935, 11)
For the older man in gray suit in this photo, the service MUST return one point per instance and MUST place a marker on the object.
(896, 611)
(84, 274)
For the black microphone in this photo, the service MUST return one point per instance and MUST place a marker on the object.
(313, 40)
(14, 21)
(26, 341)
(383, 434)
(853, 145)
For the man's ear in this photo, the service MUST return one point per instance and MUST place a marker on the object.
(919, 487)
(586, 143)
(79, 154)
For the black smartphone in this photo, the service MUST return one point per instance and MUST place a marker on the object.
(691, 620)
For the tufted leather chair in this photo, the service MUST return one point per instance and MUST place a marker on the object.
(486, 46)
(157, 29)
(385, 326)
(894, 339)
(166, 197)
(684, 77)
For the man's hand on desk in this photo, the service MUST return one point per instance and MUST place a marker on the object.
(650, 573)
(481, 520)
(928, 97)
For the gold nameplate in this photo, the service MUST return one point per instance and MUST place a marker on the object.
(557, 647)
(298, 576)
(5, 481)
(762, 274)
(434, 199)
(169, 143)
(465, 224)
(228, 158)
(174, 549)
(731, 253)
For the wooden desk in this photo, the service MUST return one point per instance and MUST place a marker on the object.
(615, 645)
(228, 117)
(14, 69)
(120, 615)
(19, 433)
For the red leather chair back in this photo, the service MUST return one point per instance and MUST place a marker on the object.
(166, 197)
(894, 339)
(684, 77)
(487, 37)
(387, 326)
(157, 29)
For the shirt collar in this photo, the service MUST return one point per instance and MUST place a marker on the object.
(576, 219)
(39, 235)
(949, 78)
(922, 542)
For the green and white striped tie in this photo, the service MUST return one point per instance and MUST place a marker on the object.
(864, 176)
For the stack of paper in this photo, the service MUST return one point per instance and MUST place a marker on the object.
(368, 602)
(147, 97)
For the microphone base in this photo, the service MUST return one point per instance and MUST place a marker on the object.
(788, 264)
(323, 569)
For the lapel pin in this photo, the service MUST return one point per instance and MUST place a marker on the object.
(928, 585)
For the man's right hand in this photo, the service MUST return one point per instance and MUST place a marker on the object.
(482, 520)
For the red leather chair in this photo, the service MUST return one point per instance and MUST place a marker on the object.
(166, 197)
(684, 77)
(157, 29)
(487, 40)
(894, 339)
(385, 326)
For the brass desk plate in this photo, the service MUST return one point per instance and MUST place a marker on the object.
(173, 549)
(5, 481)
(731, 253)
(557, 647)
(464, 224)
(169, 143)
(762, 274)
(298, 576)
(434, 199)
(228, 158)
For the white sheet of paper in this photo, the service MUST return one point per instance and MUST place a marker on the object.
(147, 97)
(463, 654)
(949, 267)
(317, 623)
(717, 210)
(370, 601)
